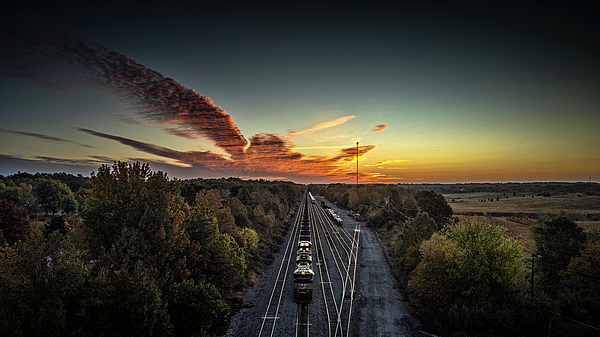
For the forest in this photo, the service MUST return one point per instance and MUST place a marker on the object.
(129, 252)
(467, 277)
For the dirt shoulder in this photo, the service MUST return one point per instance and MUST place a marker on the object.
(379, 306)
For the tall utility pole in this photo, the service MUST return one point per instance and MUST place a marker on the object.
(532, 264)
(357, 166)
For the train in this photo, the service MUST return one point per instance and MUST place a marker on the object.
(335, 217)
(312, 199)
(303, 274)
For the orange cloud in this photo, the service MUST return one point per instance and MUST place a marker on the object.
(385, 162)
(267, 155)
(43, 52)
(350, 153)
(324, 125)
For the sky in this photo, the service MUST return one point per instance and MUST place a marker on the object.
(431, 93)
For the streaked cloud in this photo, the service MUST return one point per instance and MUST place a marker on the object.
(387, 162)
(182, 158)
(349, 154)
(323, 125)
(41, 53)
(320, 147)
(379, 128)
(44, 137)
(53, 55)
(267, 155)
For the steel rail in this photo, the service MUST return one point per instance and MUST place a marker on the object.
(357, 234)
(335, 251)
(350, 244)
(328, 294)
(338, 260)
(273, 310)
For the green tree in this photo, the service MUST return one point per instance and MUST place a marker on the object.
(127, 302)
(473, 272)
(189, 191)
(69, 204)
(192, 307)
(135, 214)
(249, 240)
(579, 284)
(557, 241)
(202, 229)
(14, 222)
(225, 263)
(50, 193)
(406, 249)
(21, 195)
(239, 212)
(435, 205)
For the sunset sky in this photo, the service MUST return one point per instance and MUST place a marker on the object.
(432, 94)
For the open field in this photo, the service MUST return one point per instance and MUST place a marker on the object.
(517, 213)
(576, 205)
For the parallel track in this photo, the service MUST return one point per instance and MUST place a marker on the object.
(269, 319)
(340, 246)
(335, 254)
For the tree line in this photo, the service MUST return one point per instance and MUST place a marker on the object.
(468, 278)
(129, 252)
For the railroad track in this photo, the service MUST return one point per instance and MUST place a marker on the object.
(302, 321)
(337, 250)
(327, 283)
(334, 253)
(271, 314)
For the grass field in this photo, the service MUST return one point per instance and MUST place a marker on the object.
(517, 213)
(572, 204)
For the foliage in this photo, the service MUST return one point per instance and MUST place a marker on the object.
(225, 262)
(470, 270)
(131, 255)
(50, 194)
(557, 241)
(435, 205)
(189, 191)
(73, 182)
(20, 194)
(192, 307)
(405, 250)
(579, 284)
(137, 215)
(14, 222)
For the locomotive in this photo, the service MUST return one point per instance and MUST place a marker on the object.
(303, 274)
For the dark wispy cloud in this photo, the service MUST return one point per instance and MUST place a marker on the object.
(268, 155)
(201, 158)
(379, 128)
(184, 133)
(349, 154)
(44, 137)
(74, 162)
(44, 53)
(52, 55)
